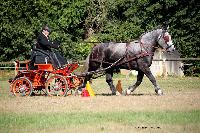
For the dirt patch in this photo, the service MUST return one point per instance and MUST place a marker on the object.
(179, 95)
(177, 101)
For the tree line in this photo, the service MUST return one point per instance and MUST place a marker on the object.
(78, 23)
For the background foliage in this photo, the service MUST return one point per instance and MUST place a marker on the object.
(79, 21)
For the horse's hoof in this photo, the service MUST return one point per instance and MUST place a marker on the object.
(78, 92)
(127, 92)
(159, 92)
(113, 93)
(118, 94)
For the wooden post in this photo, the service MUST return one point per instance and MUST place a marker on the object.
(164, 74)
(15, 63)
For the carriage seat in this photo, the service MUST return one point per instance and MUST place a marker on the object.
(45, 67)
(39, 56)
(40, 59)
(22, 65)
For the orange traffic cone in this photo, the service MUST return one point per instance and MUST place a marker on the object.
(119, 87)
(85, 93)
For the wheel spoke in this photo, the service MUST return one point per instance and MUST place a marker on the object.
(56, 86)
(22, 87)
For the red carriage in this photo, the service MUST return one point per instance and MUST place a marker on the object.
(46, 79)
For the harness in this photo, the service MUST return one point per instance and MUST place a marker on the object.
(127, 58)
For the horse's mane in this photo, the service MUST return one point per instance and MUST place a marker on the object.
(155, 28)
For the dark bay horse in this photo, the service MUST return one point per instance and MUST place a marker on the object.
(136, 55)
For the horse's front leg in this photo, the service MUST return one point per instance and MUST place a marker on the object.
(137, 83)
(109, 80)
(149, 74)
(83, 85)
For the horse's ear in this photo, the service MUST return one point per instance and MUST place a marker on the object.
(165, 26)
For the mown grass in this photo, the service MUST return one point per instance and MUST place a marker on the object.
(6, 74)
(167, 84)
(103, 121)
(12, 121)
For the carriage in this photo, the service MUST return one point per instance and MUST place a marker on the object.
(104, 57)
(44, 80)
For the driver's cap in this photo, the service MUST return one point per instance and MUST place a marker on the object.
(46, 28)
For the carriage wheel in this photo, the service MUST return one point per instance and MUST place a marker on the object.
(75, 83)
(22, 87)
(56, 86)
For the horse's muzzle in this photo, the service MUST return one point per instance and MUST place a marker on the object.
(170, 48)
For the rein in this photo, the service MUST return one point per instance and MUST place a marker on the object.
(102, 69)
(126, 57)
(116, 63)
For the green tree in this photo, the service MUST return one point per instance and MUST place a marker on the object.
(74, 22)
(185, 16)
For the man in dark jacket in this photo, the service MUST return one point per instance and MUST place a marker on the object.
(43, 41)
(42, 52)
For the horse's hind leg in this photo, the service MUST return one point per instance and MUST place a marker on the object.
(109, 80)
(153, 81)
(148, 73)
(137, 83)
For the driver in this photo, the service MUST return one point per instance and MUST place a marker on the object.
(42, 52)
(43, 41)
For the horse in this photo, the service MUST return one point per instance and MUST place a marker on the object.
(136, 55)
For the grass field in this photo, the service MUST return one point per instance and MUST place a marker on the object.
(177, 111)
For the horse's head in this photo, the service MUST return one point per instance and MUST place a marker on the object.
(165, 41)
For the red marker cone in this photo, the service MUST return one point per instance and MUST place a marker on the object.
(85, 93)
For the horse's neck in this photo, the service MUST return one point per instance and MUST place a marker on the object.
(150, 37)
(149, 40)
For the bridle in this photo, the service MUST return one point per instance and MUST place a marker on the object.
(166, 40)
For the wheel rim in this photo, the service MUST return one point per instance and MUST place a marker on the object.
(76, 81)
(56, 86)
(22, 87)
